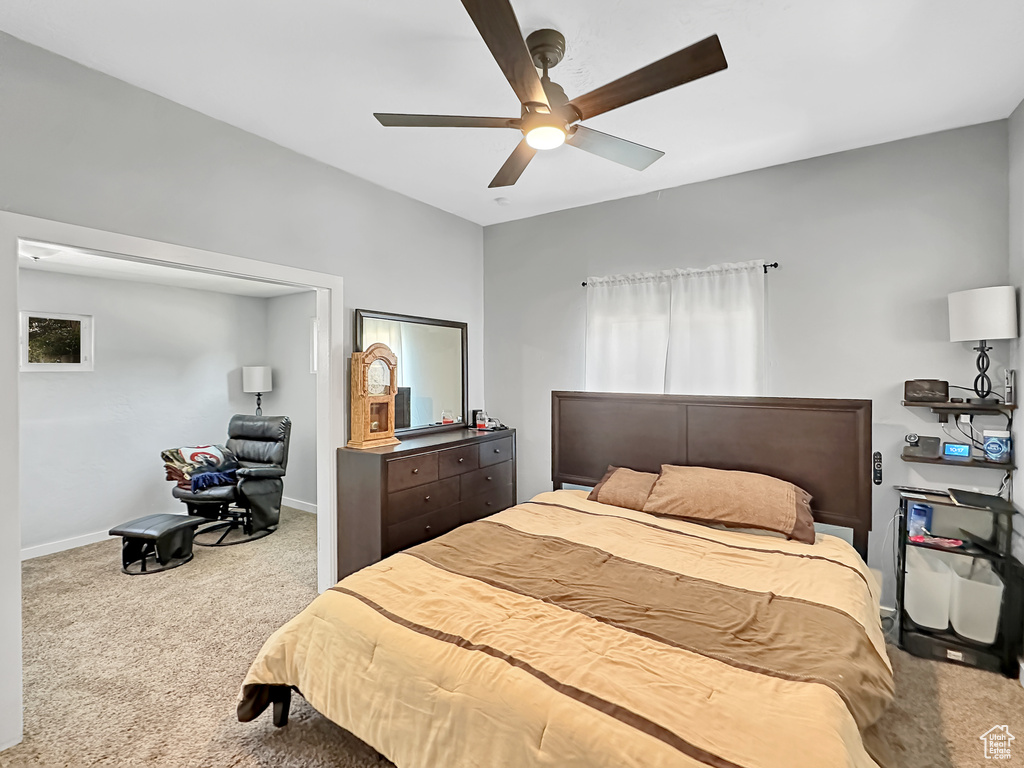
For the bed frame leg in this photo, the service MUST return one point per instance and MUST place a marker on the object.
(282, 698)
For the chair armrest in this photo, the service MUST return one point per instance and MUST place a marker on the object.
(259, 473)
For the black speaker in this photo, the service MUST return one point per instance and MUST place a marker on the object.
(926, 391)
(403, 417)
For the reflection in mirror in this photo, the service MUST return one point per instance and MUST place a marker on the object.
(430, 375)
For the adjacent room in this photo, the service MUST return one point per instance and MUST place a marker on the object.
(173, 346)
(511, 384)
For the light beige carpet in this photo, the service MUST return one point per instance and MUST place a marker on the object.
(941, 710)
(143, 670)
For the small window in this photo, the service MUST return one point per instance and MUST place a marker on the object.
(54, 342)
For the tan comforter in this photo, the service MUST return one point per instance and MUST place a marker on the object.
(564, 632)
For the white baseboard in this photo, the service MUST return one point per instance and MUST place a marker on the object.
(59, 546)
(303, 506)
(91, 538)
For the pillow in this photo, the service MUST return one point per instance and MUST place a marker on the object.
(735, 499)
(623, 487)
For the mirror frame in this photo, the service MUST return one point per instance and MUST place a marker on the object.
(357, 346)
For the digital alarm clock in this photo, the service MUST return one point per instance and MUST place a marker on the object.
(956, 450)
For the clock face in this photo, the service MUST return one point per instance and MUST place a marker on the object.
(378, 378)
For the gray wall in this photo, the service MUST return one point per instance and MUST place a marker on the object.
(91, 441)
(870, 243)
(83, 148)
(294, 395)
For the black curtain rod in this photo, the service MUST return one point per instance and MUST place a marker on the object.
(773, 265)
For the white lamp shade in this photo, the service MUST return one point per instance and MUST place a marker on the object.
(983, 314)
(256, 378)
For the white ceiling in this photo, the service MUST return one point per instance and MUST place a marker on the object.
(805, 78)
(75, 261)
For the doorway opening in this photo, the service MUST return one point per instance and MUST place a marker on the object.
(171, 355)
(325, 350)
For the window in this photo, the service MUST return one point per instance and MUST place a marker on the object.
(56, 342)
(681, 331)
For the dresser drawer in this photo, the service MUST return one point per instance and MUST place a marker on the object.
(383, 503)
(420, 529)
(416, 470)
(485, 479)
(495, 451)
(422, 499)
(456, 461)
(486, 504)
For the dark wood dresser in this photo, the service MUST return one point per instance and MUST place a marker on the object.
(393, 497)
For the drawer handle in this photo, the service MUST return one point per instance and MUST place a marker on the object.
(497, 450)
(426, 498)
(416, 471)
(490, 503)
(489, 478)
(461, 460)
(427, 529)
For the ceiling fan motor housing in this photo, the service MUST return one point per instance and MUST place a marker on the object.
(547, 47)
(533, 120)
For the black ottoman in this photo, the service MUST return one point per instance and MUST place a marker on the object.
(164, 536)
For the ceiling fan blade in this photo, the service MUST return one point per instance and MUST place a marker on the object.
(692, 63)
(497, 24)
(513, 168)
(444, 121)
(628, 153)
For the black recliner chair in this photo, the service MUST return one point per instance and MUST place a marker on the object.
(250, 509)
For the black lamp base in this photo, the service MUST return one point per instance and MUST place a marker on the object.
(982, 383)
(259, 403)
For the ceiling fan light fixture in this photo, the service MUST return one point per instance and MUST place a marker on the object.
(545, 137)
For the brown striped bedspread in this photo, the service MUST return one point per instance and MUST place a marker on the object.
(563, 632)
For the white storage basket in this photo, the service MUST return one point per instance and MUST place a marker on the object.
(975, 600)
(927, 589)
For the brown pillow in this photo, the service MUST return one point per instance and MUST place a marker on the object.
(623, 487)
(738, 499)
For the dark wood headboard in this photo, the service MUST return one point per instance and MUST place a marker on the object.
(823, 446)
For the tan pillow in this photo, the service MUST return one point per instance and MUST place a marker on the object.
(623, 487)
(738, 499)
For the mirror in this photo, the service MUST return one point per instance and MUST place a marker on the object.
(432, 373)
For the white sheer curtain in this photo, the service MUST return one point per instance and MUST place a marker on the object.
(682, 331)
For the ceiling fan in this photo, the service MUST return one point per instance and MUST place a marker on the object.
(548, 117)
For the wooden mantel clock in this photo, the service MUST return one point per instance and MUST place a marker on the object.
(374, 386)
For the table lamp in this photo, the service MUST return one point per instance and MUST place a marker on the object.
(981, 315)
(256, 379)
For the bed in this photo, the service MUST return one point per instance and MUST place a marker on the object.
(566, 632)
